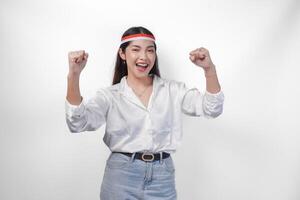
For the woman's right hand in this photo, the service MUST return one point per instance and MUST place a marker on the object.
(77, 61)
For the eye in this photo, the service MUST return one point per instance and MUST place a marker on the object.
(151, 50)
(134, 49)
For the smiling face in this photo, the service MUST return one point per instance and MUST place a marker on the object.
(140, 57)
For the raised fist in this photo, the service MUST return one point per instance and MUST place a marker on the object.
(201, 58)
(77, 61)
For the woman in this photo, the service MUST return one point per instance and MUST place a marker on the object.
(142, 112)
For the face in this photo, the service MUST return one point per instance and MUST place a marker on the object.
(140, 57)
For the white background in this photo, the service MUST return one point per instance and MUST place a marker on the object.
(250, 152)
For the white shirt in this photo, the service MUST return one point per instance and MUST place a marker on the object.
(130, 126)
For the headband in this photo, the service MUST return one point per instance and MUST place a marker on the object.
(140, 36)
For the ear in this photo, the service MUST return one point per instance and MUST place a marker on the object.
(122, 54)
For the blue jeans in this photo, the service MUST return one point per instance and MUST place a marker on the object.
(126, 178)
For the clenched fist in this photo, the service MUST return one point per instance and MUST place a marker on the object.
(77, 61)
(201, 58)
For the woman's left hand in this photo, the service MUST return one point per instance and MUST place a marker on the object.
(201, 58)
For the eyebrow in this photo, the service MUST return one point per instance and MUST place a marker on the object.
(140, 46)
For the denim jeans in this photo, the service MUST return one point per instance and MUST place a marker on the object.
(126, 178)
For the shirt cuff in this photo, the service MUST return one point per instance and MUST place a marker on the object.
(74, 110)
(219, 96)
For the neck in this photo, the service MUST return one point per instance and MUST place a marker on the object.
(136, 82)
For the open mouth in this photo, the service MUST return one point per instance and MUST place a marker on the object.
(142, 66)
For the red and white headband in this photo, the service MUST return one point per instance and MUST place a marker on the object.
(140, 36)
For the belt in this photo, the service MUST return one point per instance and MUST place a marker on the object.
(146, 156)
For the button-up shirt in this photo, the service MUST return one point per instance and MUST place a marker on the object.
(132, 127)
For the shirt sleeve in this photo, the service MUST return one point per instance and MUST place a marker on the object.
(88, 115)
(195, 103)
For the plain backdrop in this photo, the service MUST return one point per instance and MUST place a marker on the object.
(250, 152)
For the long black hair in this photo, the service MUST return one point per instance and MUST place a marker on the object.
(120, 66)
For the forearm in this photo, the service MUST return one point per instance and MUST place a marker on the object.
(212, 82)
(73, 90)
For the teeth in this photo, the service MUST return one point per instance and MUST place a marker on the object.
(142, 65)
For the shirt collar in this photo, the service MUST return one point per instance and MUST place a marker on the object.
(124, 87)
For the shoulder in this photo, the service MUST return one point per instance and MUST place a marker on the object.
(173, 84)
(108, 91)
(168, 82)
(113, 88)
(175, 87)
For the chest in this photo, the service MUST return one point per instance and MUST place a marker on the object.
(145, 97)
(127, 113)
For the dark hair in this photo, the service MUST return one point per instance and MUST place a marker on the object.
(120, 66)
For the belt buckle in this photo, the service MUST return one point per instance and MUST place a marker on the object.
(147, 154)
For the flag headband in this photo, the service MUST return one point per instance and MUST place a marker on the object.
(140, 36)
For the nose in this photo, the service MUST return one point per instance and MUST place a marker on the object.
(143, 55)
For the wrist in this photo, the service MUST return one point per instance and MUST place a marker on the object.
(73, 75)
(211, 71)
